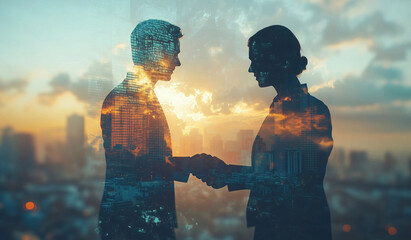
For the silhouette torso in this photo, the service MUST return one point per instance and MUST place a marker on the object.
(289, 158)
(138, 200)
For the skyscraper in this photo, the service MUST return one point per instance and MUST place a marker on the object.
(196, 142)
(231, 152)
(7, 163)
(389, 161)
(216, 145)
(337, 164)
(358, 159)
(337, 157)
(245, 139)
(25, 155)
(75, 142)
(294, 165)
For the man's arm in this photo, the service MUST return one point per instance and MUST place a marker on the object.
(217, 174)
(239, 177)
(180, 168)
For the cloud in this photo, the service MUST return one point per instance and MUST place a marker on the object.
(355, 91)
(11, 89)
(375, 25)
(379, 118)
(393, 53)
(60, 84)
(15, 85)
(332, 5)
(387, 73)
(90, 88)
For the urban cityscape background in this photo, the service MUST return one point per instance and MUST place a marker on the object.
(59, 61)
(58, 197)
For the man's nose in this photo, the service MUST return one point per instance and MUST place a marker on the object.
(177, 62)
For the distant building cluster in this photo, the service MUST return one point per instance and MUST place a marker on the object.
(236, 151)
(58, 193)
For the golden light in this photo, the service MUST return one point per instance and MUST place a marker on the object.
(25, 237)
(175, 101)
(346, 227)
(30, 206)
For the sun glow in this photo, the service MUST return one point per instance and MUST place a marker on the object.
(184, 106)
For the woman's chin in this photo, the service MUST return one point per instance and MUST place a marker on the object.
(263, 84)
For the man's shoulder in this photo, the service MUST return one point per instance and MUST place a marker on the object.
(119, 90)
(123, 92)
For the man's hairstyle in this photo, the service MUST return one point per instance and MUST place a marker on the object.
(150, 36)
(281, 43)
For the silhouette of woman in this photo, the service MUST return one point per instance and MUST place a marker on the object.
(291, 150)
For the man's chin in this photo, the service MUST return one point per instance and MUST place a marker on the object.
(163, 76)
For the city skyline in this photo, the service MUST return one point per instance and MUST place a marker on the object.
(365, 49)
(229, 149)
(61, 59)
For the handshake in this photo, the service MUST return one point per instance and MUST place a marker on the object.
(211, 170)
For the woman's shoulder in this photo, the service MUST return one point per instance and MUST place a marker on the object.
(318, 105)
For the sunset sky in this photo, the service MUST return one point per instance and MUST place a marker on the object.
(358, 64)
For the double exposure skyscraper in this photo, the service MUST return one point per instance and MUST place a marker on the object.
(138, 199)
(75, 142)
(25, 155)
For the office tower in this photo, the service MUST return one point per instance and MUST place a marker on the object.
(6, 148)
(24, 156)
(409, 166)
(266, 162)
(337, 164)
(389, 162)
(216, 146)
(231, 152)
(54, 153)
(196, 141)
(7, 151)
(75, 143)
(184, 148)
(337, 157)
(293, 161)
(358, 160)
(245, 139)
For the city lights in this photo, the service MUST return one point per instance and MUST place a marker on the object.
(346, 228)
(30, 206)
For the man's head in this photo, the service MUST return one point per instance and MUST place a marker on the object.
(155, 46)
(275, 54)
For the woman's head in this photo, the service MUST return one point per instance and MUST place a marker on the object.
(275, 53)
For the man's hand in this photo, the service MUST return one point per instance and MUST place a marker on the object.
(209, 169)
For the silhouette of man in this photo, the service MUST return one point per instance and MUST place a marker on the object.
(290, 152)
(138, 200)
